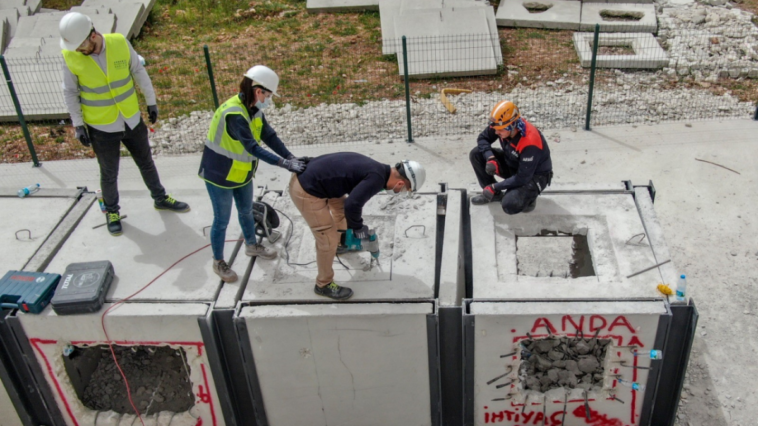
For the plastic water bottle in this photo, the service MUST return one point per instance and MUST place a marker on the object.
(31, 189)
(99, 195)
(141, 60)
(652, 353)
(681, 288)
(633, 385)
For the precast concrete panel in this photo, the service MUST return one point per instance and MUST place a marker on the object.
(648, 54)
(615, 235)
(318, 6)
(130, 324)
(499, 391)
(342, 364)
(561, 14)
(152, 242)
(405, 228)
(27, 222)
(593, 13)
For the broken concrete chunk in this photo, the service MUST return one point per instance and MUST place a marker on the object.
(588, 364)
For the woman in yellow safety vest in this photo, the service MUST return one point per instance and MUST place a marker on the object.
(230, 159)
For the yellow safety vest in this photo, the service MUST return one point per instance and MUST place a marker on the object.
(104, 95)
(220, 142)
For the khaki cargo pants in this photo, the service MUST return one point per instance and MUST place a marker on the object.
(325, 217)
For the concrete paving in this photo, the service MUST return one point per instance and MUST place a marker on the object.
(592, 14)
(319, 6)
(648, 54)
(562, 14)
(703, 211)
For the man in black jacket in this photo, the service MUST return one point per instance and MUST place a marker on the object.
(331, 193)
(523, 162)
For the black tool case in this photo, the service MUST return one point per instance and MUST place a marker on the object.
(83, 287)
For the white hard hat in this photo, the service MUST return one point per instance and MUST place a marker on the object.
(414, 172)
(75, 27)
(265, 77)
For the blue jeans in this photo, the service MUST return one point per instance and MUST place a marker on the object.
(221, 199)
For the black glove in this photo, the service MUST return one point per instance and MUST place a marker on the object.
(294, 166)
(305, 160)
(492, 168)
(152, 113)
(81, 134)
(488, 192)
(361, 233)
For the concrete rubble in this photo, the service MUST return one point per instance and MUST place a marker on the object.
(563, 362)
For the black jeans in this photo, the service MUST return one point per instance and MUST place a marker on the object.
(515, 199)
(107, 147)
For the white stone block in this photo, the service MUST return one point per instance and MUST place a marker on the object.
(648, 54)
(598, 13)
(561, 14)
(319, 6)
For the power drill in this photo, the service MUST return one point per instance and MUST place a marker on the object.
(370, 244)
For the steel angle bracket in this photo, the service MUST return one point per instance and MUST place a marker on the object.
(251, 373)
(676, 357)
(433, 348)
(219, 365)
(44, 408)
(654, 374)
(468, 363)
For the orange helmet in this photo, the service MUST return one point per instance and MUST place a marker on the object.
(503, 115)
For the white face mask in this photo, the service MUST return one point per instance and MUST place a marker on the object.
(265, 104)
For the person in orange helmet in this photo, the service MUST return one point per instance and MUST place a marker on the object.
(523, 163)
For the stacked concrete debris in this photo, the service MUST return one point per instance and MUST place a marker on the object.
(30, 44)
(563, 362)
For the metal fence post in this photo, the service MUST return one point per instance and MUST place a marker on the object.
(210, 75)
(407, 91)
(592, 77)
(755, 117)
(20, 113)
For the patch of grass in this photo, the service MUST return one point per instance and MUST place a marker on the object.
(60, 4)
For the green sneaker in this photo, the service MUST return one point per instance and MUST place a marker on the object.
(114, 223)
(170, 203)
(333, 291)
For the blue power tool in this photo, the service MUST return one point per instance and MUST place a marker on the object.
(371, 244)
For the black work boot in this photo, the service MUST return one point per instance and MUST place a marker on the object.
(333, 291)
(169, 203)
(530, 207)
(479, 200)
(114, 223)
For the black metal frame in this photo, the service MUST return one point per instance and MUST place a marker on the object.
(653, 378)
(221, 369)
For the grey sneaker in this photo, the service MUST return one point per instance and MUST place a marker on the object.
(260, 250)
(333, 291)
(224, 271)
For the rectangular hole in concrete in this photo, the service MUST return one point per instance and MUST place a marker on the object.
(554, 254)
(621, 15)
(563, 362)
(613, 49)
(158, 377)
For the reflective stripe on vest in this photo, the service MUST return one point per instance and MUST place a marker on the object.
(220, 142)
(104, 95)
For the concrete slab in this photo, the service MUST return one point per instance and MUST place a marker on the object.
(562, 14)
(128, 15)
(597, 13)
(130, 324)
(331, 364)
(449, 43)
(34, 6)
(452, 279)
(46, 24)
(406, 259)
(152, 242)
(11, 16)
(37, 215)
(20, 5)
(648, 54)
(320, 6)
(147, 5)
(607, 220)
(501, 327)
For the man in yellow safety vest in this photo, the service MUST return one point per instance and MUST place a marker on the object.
(98, 85)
